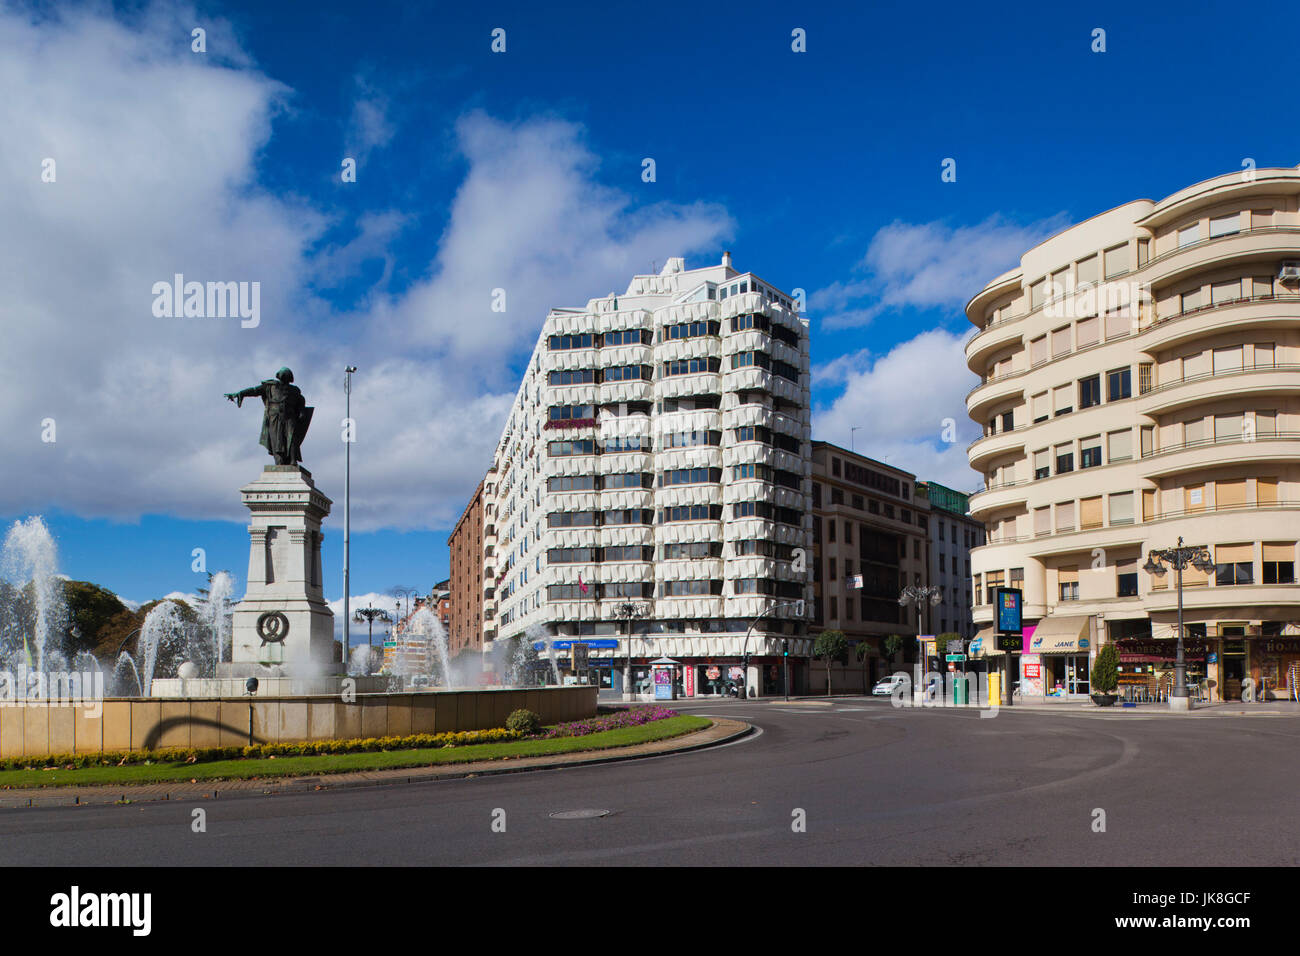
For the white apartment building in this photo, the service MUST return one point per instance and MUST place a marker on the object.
(658, 453)
(1140, 382)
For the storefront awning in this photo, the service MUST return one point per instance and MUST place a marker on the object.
(1060, 635)
(984, 644)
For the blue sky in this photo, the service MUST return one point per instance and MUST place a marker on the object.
(522, 170)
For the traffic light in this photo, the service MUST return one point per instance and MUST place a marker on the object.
(785, 647)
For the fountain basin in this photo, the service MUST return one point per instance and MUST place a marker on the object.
(39, 728)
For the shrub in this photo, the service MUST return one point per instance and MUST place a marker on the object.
(1105, 672)
(524, 722)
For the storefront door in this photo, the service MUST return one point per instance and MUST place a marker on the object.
(1076, 674)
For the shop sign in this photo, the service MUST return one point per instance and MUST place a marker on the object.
(1281, 645)
(690, 682)
(1033, 671)
(713, 673)
(1163, 649)
(1043, 645)
(736, 673)
(1007, 603)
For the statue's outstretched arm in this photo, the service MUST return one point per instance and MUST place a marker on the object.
(238, 397)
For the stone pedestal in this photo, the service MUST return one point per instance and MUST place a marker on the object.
(283, 627)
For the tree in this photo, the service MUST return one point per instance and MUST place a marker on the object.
(1105, 672)
(891, 646)
(831, 646)
(863, 650)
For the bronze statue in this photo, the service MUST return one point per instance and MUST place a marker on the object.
(287, 416)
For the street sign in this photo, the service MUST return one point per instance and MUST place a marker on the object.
(955, 657)
(957, 646)
(854, 581)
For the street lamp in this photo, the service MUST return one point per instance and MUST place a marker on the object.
(405, 591)
(1179, 557)
(630, 611)
(348, 436)
(919, 597)
(754, 623)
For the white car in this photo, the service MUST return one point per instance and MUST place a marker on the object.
(885, 686)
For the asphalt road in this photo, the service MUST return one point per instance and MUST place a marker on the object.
(875, 786)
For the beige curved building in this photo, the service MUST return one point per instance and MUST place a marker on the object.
(1140, 381)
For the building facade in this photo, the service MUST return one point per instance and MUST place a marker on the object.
(465, 586)
(953, 534)
(870, 541)
(1140, 383)
(653, 477)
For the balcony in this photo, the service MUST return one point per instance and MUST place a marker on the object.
(989, 447)
(1000, 388)
(1193, 390)
(1208, 452)
(1197, 256)
(1254, 312)
(993, 337)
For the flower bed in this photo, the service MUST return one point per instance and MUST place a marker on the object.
(632, 717)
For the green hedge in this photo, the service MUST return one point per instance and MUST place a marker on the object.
(118, 758)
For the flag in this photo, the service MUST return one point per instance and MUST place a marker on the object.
(581, 587)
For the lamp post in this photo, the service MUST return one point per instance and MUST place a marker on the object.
(630, 611)
(919, 597)
(404, 591)
(1178, 557)
(349, 434)
(754, 623)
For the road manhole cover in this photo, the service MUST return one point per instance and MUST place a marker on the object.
(579, 814)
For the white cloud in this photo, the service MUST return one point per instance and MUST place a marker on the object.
(901, 405)
(928, 265)
(370, 126)
(156, 152)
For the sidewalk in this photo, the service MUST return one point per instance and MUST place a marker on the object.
(722, 731)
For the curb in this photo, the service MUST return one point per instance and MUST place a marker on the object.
(722, 730)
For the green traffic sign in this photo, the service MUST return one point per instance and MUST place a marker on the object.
(955, 657)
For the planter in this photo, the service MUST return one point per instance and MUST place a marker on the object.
(1105, 700)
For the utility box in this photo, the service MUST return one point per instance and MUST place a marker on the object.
(995, 687)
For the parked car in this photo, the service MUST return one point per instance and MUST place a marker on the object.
(885, 686)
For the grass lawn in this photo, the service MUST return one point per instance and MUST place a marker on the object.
(342, 763)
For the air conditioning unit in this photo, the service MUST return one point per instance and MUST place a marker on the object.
(1290, 272)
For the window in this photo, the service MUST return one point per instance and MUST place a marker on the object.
(993, 581)
(1119, 384)
(689, 330)
(1145, 382)
(848, 532)
(561, 449)
(632, 479)
(1121, 508)
(692, 476)
(1126, 578)
(1225, 225)
(1042, 521)
(691, 513)
(1064, 517)
(1279, 563)
(1118, 260)
(628, 373)
(1042, 463)
(750, 359)
(1087, 332)
(628, 337)
(1090, 452)
(1190, 300)
(1088, 270)
(571, 483)
(740, 323)
(1221, 292)
(1230, 494)
(1234, 564)
(1064, 458)
(1120, 445)
(576, 376)
(1189, 235)
(1060, 341)
(1064, 404)
(1068, 582)
(688, 588)
(693, 549)
(1038, 350)
(568, 413)
(1089, 391)
(584, 340)
(692, 366)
